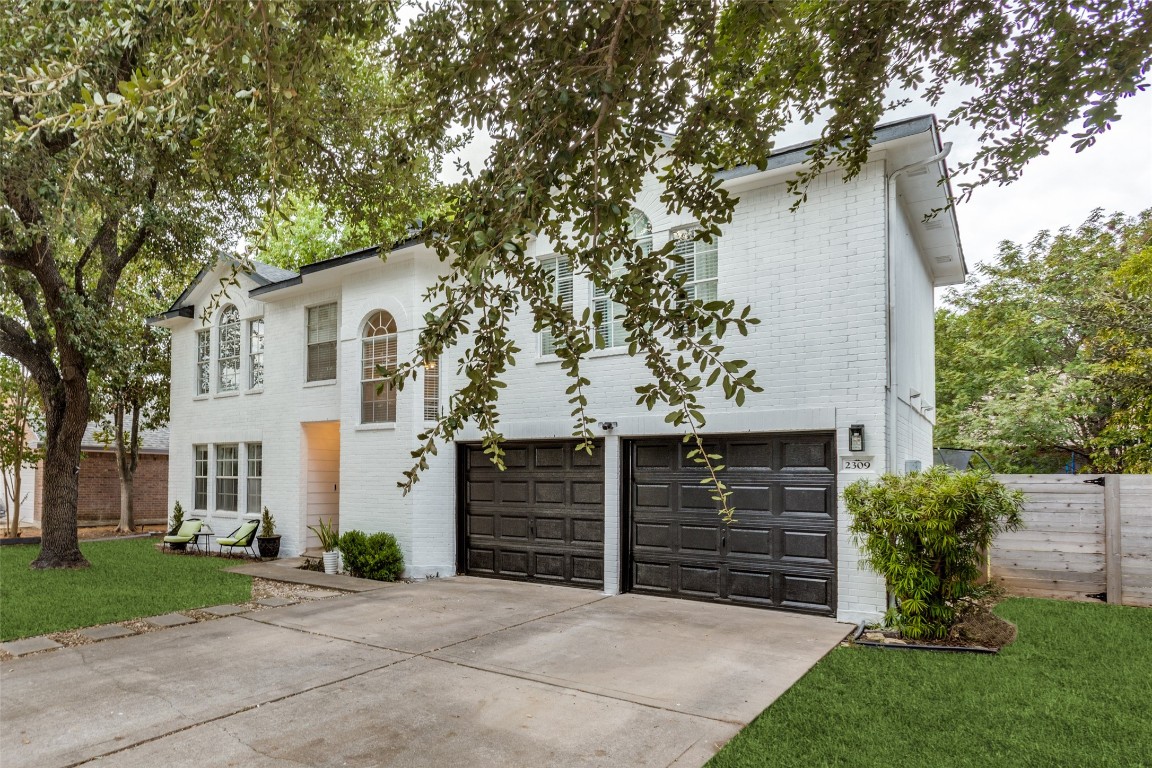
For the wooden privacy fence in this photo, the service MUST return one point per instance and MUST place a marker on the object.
(1079, 538)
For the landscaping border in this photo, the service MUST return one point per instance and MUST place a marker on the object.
(917, 647)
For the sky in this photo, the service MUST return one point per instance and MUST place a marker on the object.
(1054, 191)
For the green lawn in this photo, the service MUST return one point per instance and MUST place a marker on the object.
(1075, 689)
(128, 579)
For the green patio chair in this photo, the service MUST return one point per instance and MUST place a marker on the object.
(186, 534)
(243, 537)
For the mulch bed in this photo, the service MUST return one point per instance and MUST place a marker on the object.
(977, 629)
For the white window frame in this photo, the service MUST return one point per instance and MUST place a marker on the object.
(563, 282)
(256, 353)
(197, 477)
(610, 333)
(698, 285)
(235, 327)
(334, 341)
(203, 384)
(379, 330)
(432, 390)
(253, 456)
(221, 477)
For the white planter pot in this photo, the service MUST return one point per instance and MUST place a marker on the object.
(332, 562)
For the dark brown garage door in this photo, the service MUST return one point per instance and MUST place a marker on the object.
(780, 552)
(541, 519)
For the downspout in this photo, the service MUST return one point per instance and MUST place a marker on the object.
(889, 298)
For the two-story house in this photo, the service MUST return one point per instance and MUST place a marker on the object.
(275, 402)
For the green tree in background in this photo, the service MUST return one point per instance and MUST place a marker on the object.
(1047, 354)
(146, 131)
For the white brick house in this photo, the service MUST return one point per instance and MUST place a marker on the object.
(268, 404)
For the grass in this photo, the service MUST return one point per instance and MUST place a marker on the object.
(128, 579)
(1075, 689)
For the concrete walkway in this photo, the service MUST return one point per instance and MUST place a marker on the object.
(459, 671)
(288, 570)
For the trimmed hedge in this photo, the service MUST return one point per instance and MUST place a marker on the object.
(372, 556)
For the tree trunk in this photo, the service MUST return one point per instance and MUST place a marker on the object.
(14, 511)
(127, 457)
(65, 417)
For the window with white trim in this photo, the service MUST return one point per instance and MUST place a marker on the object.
(559, 272)
(377, 396)
(200, 478)
(700, 264)
(610, 332)
(227, 477)
(322, 342)
(256, 353)
(228, 350)
(432, 390)
(255, 477)
(203, 361)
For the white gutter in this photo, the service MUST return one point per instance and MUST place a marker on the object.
(890, 297)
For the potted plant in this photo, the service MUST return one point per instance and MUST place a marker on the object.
(268, 542)
(329, 541)
(177, 521)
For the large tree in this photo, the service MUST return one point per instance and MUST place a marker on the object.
(577, 97)
(1045, 359)
(140, 131)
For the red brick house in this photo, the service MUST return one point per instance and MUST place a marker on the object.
(99, 502)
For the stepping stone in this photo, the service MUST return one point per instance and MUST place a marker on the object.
(225, 610)
(106, 632)
(275, 602)
(29, 645)
(321, 593)
(169, 620)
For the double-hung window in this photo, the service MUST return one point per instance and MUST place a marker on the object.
(432, 390)
(559, 272)
(378, 396)
(203, 361)
(699, 265)
(255, 477)
(227, 477)
(610, 332)
(200, 479)
(256, 353)
(322, 342)
(229, 350)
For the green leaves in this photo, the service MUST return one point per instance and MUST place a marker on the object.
(925, 533)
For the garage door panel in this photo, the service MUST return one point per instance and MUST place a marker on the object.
(750, 586)
(780, 552)
(540, 519)
(809, 500)
(743, 540)
(807, 545)
(750, 498)
(588, 531)
(481, 491)
(700, 581)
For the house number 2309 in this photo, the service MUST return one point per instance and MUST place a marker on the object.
(857, 464)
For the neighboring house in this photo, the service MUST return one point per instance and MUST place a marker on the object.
(274, 402)
(99, 499)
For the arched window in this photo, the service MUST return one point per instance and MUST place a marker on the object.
(229, 350)
(610, 333)
(377, 397)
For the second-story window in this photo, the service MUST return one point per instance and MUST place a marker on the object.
(203, 361)
(432, 390)
(610, 332)
(322, 342)
(559, 272)
(256, 354)
(229, 350)
(378, 397)
(699, 266)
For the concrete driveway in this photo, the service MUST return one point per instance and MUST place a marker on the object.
(459, 671)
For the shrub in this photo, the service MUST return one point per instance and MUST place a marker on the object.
(925, 533)
(372, 556)
(177, 518)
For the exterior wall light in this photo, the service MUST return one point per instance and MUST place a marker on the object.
(607, 426)
(856, 437)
